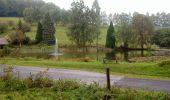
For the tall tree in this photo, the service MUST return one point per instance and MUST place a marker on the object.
(110, 38)
(81, 30)
(48, 33)
(96, 21)
(143, 27)
(124, 26)
(20, 25)
(38, 37)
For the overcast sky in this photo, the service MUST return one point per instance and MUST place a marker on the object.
(118, 6)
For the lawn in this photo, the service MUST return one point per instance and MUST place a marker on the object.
(143, 70)
(60, 31)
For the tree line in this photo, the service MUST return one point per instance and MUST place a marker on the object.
(131, 30)
(33, 10)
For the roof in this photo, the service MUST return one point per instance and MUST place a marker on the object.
(3, 41)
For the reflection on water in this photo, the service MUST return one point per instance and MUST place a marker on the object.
(69, 53)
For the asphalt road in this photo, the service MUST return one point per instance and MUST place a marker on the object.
(91, 77)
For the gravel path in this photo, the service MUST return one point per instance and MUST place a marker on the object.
(90, 77)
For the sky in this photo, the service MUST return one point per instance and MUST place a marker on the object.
(126, 6)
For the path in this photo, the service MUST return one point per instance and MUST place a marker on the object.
(90, 77)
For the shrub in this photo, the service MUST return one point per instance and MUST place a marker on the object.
(164, 63)
(27, 40)
(10, 80)
(6, 50)
(62, 85)
(39, 80)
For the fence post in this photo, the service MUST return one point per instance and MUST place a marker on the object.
(108, 78)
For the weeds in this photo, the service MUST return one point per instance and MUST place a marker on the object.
(41, 87)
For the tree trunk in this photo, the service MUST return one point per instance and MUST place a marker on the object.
(20, 44)
(142, 46)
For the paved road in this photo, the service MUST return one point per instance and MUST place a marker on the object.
(90, 77)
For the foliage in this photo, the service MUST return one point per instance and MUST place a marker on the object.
(66, 85)
(38, 37)
(110, 38)
(162, 37)
(143, 27)
(124, 29)
(17, 37)
(6, 50)
(19, 26)
(96, 19)
(81, 30)
(26, 27)
(48, 32)
(164, 63)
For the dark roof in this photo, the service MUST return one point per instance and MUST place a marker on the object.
(3, 41)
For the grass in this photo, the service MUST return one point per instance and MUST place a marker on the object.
(6, 19)
(60, 32)
(141, 70)
(40, 87)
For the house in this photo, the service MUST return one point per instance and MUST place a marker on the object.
(3, 42)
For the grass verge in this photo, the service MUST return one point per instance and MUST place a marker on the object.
(137, 70)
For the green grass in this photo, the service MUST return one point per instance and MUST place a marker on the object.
(60, 32)
(141, 70)
(6, 19)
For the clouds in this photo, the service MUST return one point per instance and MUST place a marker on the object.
(118, 6)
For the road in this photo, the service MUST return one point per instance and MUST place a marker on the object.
(91, 77)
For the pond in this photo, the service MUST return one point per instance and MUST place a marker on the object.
(73, 53)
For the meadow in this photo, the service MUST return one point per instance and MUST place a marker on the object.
(60, 32)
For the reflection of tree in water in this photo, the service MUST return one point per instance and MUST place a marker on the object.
(126, 55)
(111, 55)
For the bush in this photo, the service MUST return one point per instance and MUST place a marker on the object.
(164, 63)
(27, 40)
(6, 50)
(39, 80)
(62, 85)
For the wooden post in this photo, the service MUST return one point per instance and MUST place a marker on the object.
(108, 78)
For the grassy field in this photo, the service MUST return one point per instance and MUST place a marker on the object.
(60, 32)
(140, 70)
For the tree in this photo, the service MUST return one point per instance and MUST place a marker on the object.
(125, 31)
(162, 37)
(143, 27)
(110, 38)
(48, 33)
(38, 37)
(96, 21)
(104, 18)
(20, 35)
(81, 30)
(20, 25)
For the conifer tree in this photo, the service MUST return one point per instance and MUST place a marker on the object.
(110, 39)
(39, 33)
(48, 33)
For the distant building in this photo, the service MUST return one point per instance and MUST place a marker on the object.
(3, 42)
